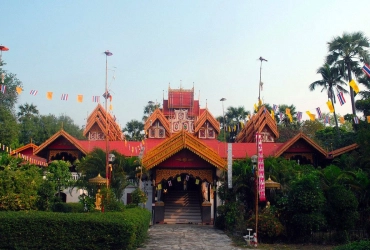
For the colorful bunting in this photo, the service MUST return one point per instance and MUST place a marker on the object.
(368, 118)
(33, 92)
(49, 95)
(80, 98)
(287, 111)
(255, 107)
(273, 115)
(96, 98)
(330, 106)
(261, 169)
(18, 90)
(2, 77)
(275, 107)
(312, 116)
(341, 98)
(299, 116)
(366, 70)
(341, 120)
(170, 183)
(354, 86)
(2, 88)
(64, 97)
(318, 112)
(327, 120)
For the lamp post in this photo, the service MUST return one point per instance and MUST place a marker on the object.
(254, 159)
(106, 95)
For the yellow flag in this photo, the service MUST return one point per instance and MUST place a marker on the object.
(259, 102)
(197, 181)
(18, 90)
(354, 86)
(290, 117)
(80, 98)
(229, 129)
(312, 116)
(368, 118)
(341, 119)
(159, 186)
(330, 106)
(272, 114)
(110, 107)
(178, 178)
(49, 95)
(234, 127)
(287, 111)
(255, 107)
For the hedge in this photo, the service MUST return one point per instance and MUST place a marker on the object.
(359, 245)
(48, 230)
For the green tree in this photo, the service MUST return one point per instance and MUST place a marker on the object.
(346, 51)
(28, 119)
(19, 184)
(149, 109)
(10, 97)
(133, 130)
(9, 130)
(59, 175)
(95, 163)
(306, 202)
(331, 78)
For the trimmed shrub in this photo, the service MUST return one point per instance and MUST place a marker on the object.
(360, 245)
(46, 230)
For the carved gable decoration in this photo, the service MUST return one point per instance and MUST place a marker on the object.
(181, 121)
(178, 142)
(207, 126)
(97, 124)
(157, 126)
(262, 122)
(300, 144)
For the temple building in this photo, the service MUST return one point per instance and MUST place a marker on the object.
(181, 153)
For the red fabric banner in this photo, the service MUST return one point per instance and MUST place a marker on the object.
(261, 168)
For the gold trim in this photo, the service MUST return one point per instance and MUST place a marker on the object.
(203, 174)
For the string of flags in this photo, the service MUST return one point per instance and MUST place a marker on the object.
(312, 117)
(27, 158)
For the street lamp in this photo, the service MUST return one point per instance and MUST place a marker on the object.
(254, 160)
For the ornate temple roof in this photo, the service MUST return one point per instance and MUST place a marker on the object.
(257, 123)
(343, 150)
(292, 141)
(61, 133)
(179, 141)
(207, 116)
(99, 117)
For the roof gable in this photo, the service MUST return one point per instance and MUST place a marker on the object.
(207, 116)
(295, 139)
(158, 115)
(179, 141)
(55, 137)
(257, 124)
(100, 118)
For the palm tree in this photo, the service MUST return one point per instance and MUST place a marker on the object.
(235, 115)
(346, 51)
(331, 78)
(27, 111)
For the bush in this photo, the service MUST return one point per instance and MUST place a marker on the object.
(269, 226)
(360, 245)
(46, 230)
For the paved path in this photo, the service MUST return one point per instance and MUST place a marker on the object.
(185, 236)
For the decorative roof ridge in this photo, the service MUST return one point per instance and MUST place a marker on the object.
(63, 133)
(177, 142)
(300, 135)
(342, 150)
(180, 90)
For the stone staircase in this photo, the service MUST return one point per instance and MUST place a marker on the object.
(182, 207)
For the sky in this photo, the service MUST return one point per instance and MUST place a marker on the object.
(57, 46)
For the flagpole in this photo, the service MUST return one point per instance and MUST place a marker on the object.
(260, 83)
(107, 53)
